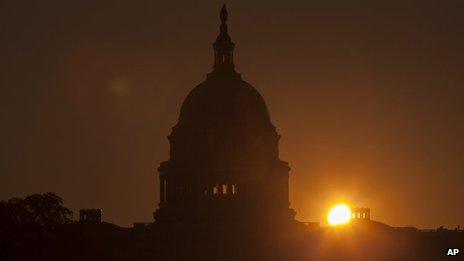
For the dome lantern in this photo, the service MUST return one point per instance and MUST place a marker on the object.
(223, 47)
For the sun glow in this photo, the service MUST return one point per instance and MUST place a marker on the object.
(339, 214)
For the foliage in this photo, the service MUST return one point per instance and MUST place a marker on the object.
(41, 210)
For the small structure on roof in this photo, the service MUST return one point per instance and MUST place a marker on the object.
(92, 215)
(361, 214)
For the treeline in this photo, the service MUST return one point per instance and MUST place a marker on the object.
(34, 211)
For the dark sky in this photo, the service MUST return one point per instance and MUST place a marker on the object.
(368, 98)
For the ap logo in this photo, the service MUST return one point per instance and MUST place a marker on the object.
(452, 252)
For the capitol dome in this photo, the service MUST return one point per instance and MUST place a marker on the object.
(226, 102)
(224, 154)
(224, 120)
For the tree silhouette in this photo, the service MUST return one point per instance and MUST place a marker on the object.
(41, 210)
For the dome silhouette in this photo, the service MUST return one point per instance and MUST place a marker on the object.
(224, 155)
(215, 103)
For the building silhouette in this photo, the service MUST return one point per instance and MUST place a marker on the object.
(90, 215)
(361, 214)
(224, 161)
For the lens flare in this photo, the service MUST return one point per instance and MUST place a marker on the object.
(339, 214)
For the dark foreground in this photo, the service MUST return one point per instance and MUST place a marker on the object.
(103, 241)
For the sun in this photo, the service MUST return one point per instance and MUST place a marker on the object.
(339, 214)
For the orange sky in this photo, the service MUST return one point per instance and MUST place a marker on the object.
(368, 100)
